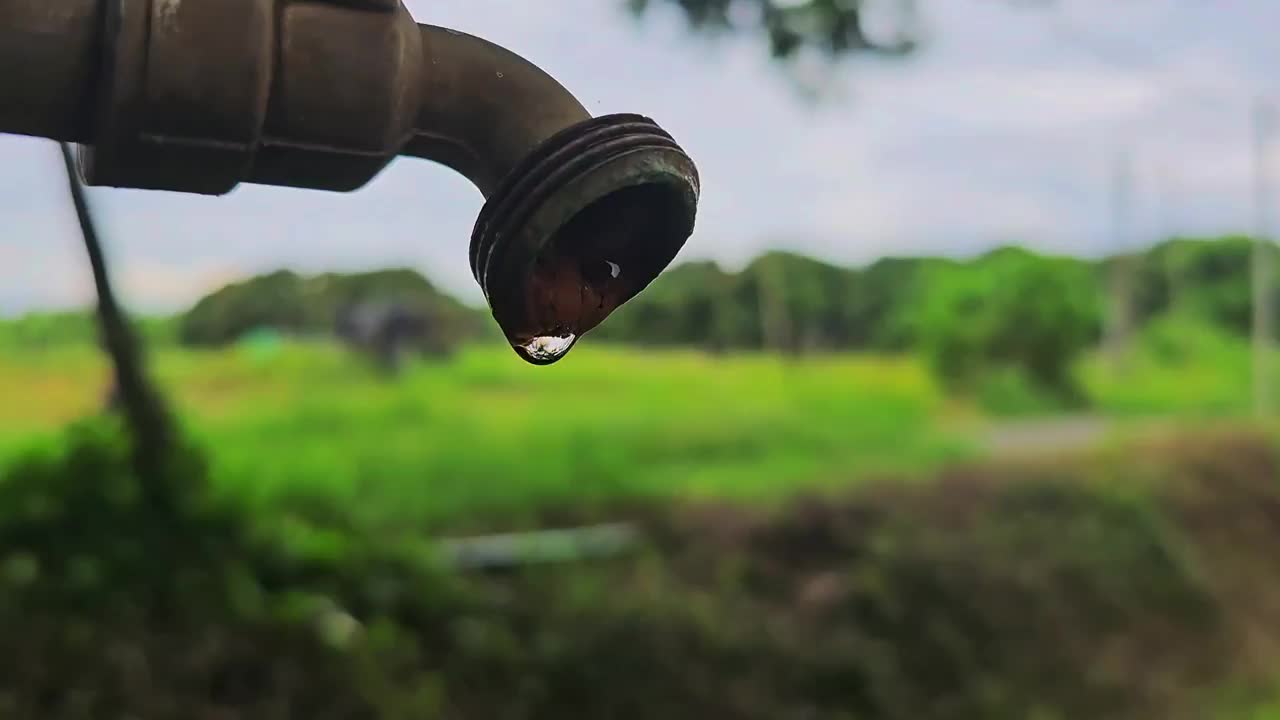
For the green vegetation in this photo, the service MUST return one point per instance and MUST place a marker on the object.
(1008, 318)
(833, 27)
(1009, 327)
(1102, 587)
(1022, 313)
(877, 307)
(481, 439)
(1178, 364)
(484, 432)
(290, 303)
(284, 564)
(39, 331)
(795, 441)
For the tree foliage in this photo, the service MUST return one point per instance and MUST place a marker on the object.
(781, 301)
(1007, 311)
(1020, 311)
(831, 27)
(294, 304)
(1208, 278)
(785, 302)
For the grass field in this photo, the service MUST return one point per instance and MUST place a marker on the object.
(483, 432)
(1150, 557)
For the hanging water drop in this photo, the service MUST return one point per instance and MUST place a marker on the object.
(573, 284)
(547, 348)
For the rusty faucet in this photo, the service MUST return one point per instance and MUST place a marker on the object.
(198, 96)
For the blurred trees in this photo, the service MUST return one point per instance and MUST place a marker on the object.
(880, 306)
(1207, 278)
(293, 304)
(74, 327)
(1021, 311)
(982, 593)
(38, 330)
(781, 301)
(1007, 310)
(832, 27)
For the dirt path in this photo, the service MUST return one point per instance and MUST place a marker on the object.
(1066, 434)
(1048, 435)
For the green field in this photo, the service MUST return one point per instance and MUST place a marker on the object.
(485, 433)
(888, 576)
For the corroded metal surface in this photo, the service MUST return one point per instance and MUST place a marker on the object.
(49, 56)
(485, 108)
(201, 95)
(612, 191)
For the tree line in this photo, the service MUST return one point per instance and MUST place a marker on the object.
(790, 302)
(1007, 307)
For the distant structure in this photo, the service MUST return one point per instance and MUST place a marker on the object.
(388, 332)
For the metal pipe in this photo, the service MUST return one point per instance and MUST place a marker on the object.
(199, 96)
(509, 550)
(485, 108)
(49, 56)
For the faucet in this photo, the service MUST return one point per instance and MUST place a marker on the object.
(199, 96)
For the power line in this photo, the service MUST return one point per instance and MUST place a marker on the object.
(1119, 319)
(1261, 262)
(1121, 291)
(1165, 194)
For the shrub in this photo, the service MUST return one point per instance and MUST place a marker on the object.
(1013, 309)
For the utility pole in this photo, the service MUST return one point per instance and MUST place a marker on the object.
(1121, 291)
(1165, 233)
(1262, 258)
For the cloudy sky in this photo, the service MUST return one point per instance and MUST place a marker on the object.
(1007, 128)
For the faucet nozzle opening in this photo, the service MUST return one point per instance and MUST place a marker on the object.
(581, 227)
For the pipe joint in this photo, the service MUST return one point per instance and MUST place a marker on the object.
(198, 96)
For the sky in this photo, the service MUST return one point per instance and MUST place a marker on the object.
(1008, 127)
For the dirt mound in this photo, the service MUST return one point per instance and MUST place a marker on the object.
(1132, 582)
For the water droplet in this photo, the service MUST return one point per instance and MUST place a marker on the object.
(614, 269)
(500, 74)
(548, 348)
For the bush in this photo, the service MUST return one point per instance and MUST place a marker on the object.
(80, 527)
(44, 330)
(1186, 340)
(1012, 309)
(997, 592)
(289, 303)
(1179, 363)
(1008, 392)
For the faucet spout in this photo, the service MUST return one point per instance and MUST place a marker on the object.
(198, 96)
(484, 108)
(581, 213)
